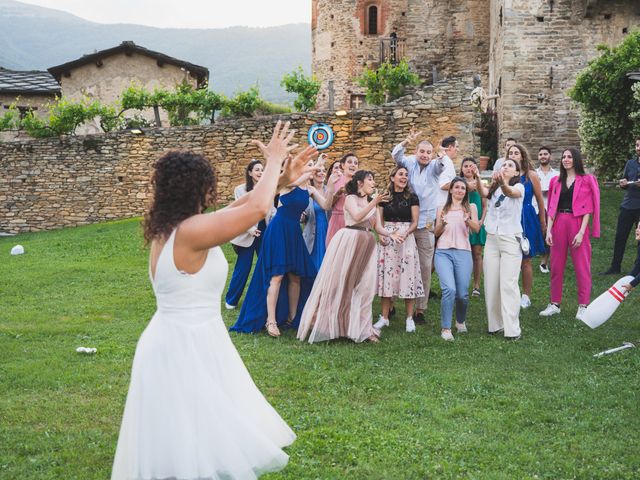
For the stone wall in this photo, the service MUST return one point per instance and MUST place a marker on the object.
(451, 36)
(537, 49)
(70, 181)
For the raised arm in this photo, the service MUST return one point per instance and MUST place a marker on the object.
(398, 152)
(325, 201)
(509, 190)
(359, 214)
(204, 231)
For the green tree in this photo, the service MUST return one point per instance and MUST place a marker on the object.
(10, 119)
(306, 87)
(244, 104)
(607, 123)
(388, 82)
(185, 105)
(66, 115)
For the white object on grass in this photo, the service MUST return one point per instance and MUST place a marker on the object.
(601, 309)
(17, 250)
(86, 350)
(624, 346)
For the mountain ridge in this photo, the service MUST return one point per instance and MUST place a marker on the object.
(37, 38)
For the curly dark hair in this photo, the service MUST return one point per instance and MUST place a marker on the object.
(183, 184)
(352, 186)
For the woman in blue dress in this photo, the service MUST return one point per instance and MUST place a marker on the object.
(534, 225)
(248, 243)
(284, 273)
(316, 220)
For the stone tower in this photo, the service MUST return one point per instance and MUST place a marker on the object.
(537, 49)
(528, 51)
(437, 37)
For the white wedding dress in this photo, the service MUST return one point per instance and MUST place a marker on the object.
(193, 411)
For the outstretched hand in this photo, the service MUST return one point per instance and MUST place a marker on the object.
(413, 136)
(383, 197)
(298, 166)
(278, 148)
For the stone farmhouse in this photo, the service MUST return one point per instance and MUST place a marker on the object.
(105, 74)
(26, 90)
(526, 51)
(102, 76)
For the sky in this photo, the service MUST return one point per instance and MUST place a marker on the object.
(186, 13)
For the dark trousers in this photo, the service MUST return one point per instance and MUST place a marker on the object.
(627, 220)
(241, 271)
(636, 267)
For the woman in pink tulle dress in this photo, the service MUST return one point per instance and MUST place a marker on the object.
(349, 165)
(342, 295)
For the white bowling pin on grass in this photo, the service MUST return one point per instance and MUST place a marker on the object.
(601, 309)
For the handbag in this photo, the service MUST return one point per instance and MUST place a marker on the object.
(524, 244)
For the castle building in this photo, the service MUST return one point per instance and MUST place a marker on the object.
(526, 51)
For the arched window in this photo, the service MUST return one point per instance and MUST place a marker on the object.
(372, 20)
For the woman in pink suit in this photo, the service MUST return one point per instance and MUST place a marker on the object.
(574, 199)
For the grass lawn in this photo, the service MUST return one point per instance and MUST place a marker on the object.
(410, 407)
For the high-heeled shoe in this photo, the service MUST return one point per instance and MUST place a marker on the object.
(272, 329)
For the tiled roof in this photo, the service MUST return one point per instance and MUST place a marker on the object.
(26, 82)
(128, 47)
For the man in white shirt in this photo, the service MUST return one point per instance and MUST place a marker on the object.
(451, 148)
(507, 145)
(545, 173)
(424, 174)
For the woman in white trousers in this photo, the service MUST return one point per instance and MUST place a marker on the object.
(502, 252)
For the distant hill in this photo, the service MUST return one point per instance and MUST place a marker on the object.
(36, 38)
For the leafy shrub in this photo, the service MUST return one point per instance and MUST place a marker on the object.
(306, 87)
(10, 120)
(244, 104)
(607, 123)
(388, 82)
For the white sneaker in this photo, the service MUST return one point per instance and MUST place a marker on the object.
(581, 310)
(411, 325)
(525, 301)
(448, 336)
(382, 322)
(544, 268)
(550, 310)
(461, 327)
(229, 307)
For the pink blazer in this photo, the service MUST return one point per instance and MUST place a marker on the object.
(586, 199)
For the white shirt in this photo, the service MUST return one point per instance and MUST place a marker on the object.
(505, 219)
(545, 178)
(423, 181)
(445, 177)
(498, 164)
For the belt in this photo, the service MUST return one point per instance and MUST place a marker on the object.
(356, 227)
(565, 210)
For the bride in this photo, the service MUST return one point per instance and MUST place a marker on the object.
(193, 411)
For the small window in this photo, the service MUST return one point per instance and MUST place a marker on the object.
(372, 20)
(357, 101)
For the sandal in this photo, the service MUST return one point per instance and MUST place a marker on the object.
(373, 339)
(272, 329)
